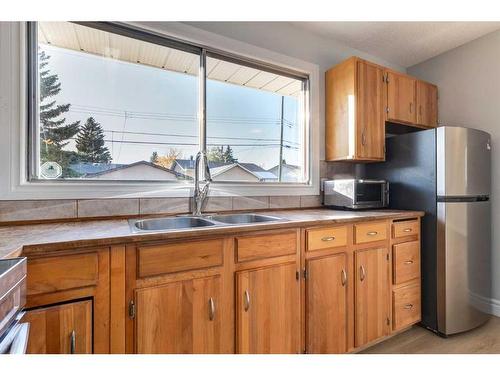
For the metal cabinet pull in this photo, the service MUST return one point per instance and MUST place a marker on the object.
(328, 238)
(411, 105)
(408, 306)
(407, 230)
(343, 277)
(362, 273)
(373, 233)
(72, 342)
(363, 138)
(409, 262)
(211, 309)
(420, 110)
(246, 300)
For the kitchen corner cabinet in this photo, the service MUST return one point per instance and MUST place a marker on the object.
(60, 329)
(268, 310)
(360, 97)
(355, 97)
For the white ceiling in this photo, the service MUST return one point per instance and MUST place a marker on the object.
(402, 43)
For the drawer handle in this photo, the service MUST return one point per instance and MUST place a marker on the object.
(362, 273)
(211, 309)
(407, 230)
(330, 238)
(408, 306)
(72, 342)
(372, 233)
(343, 275)
(246, 300)
(409, 262)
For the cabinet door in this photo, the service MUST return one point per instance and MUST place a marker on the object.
(370, 125)
(65, 329)
(426, 104)
(326, 304)
(179, 317)
(401, 98)
(372, 299)
(268, 310)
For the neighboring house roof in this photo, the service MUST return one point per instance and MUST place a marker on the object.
(186, 164)
(95, 169)
(251, 168)
(289, 166)
(289, 172)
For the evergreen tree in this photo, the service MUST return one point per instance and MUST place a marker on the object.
(90, 143)
(218, 154)
(54, 131)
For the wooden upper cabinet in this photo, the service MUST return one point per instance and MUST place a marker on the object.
(427, 113)
(179, 317)
(401, 98)
(268, 310)
(60, 329)
(355, 97)
(326, 304)
(372, 295)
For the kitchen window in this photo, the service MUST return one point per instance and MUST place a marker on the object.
(113, 103)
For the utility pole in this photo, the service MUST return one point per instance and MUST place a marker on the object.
(282, 123)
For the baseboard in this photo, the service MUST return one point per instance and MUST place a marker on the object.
(487, 305)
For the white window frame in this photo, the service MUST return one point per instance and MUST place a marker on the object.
(14, 181)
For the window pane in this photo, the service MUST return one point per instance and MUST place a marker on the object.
(113, 107)
(255, 124)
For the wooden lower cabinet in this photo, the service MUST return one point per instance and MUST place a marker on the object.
(65, 329)
(268, 310)
(371, 295)
(179, 317)
(326, 304)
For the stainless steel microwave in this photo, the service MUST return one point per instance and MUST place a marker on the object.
(356, 194)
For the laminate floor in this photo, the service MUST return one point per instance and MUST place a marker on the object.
(418, 340)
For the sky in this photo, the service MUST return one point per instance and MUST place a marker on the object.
(127, 99)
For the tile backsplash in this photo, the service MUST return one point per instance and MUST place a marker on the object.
(58, 209)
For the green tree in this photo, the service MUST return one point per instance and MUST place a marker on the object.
(55, 132)
(90, 143)
(218, 154)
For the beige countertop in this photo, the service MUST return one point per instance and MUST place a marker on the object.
(34, 239)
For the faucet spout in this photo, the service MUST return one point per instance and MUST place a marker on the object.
(200, 194)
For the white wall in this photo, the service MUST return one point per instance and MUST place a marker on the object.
(468, 79)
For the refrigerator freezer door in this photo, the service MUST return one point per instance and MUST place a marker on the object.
(464, 265)
(463, 162)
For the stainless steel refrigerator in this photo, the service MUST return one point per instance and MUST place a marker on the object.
(446, 173)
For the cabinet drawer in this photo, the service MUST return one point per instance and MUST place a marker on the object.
(405, 228)
(406, 306)
(154, 260)
(265, 245)
(61, 273)
(406, 262)
(324, 238)
(370, 232)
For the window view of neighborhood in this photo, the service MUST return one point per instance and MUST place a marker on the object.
(117, 108)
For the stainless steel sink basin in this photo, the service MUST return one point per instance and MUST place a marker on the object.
(236, 219)
(170, 223)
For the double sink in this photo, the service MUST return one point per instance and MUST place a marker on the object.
(189, 222)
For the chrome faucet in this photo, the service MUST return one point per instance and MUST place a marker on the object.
(200, 195)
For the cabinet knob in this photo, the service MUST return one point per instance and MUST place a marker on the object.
(409, 262)
(246, 300)
(328, 238)
(343, 277)
(372, 233)
(211, 309)
(408, 306)
(407, 230)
